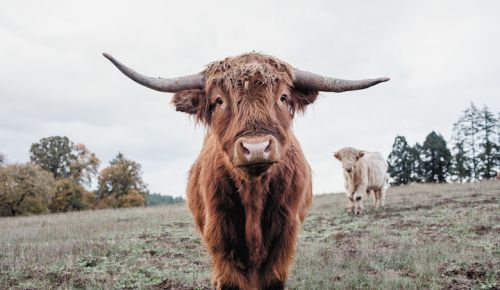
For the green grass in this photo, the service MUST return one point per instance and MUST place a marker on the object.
(427, 237)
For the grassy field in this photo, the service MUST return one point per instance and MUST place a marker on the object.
(427, 237)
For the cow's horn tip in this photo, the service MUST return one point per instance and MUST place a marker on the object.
(107, 55)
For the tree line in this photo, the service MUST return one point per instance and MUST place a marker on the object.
(474, 153)
(58, 177)
(60, 172)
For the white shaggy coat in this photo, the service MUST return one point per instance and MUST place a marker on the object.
(363, 172)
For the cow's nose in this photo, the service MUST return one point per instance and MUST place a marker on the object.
(254, 150)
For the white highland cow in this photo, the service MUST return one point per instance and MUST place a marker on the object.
(363, 172)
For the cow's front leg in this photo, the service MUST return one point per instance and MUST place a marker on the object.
(358, 202)
(350, 202)
(274, 270)
(228, 274)
(373, 192)
(223, 236)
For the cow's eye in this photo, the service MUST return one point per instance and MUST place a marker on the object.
(219, 101)
(283, 98)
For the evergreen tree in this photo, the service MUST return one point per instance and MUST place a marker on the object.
(460, 169)
(400, 161)
(416, 163)
(489, 146)
(467, 132)
(436, 158)
(154, 199)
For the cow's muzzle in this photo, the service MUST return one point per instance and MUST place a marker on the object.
(256, 151)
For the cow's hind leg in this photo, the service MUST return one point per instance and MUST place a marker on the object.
(382, 195)
(374, 195)
(377, 195)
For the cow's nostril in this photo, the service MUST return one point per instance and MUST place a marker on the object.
(245, 150)
(268, 147)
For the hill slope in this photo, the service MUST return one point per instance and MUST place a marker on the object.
(428, 236)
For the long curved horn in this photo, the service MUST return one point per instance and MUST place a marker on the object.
(312, 81)
(171, 85)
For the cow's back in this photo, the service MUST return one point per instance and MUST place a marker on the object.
(375, 167)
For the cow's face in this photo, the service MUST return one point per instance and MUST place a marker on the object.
(248, 104)
(349, 158)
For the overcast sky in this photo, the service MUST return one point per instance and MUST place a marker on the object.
(440, 56)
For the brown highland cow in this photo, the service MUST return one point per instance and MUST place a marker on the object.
(250, 187)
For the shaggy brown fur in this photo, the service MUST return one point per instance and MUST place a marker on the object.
(249, 219)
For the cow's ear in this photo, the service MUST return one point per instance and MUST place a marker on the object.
(337, 155)
(300, 98)
(191, 102)
(361, 154)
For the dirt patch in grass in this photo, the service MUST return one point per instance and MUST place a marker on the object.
(339, 236)
(385, 244)
(179, 225)
(445, 201)
(468, 276)
(58, 279)
(484, 230)
(146, 236)
(346, 237)
(429, 235)
(400, 211)
(168, 284)
(387, 213)
(347, 242)
(474, 203)
(402, 224)
(177, 255)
